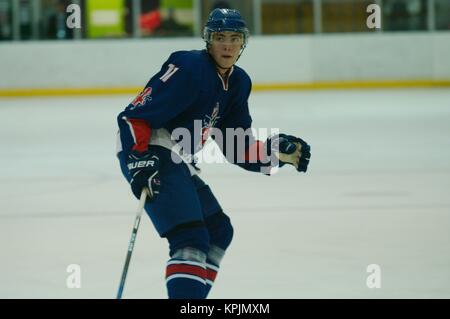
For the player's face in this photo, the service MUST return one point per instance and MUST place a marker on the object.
(225, 48)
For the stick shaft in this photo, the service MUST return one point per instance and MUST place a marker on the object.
(137, 221)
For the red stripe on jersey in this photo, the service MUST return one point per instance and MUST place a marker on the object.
(186, 269)
(142, 133)
(255, 152)
(211, 274)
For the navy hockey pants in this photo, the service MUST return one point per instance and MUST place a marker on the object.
(182, 199)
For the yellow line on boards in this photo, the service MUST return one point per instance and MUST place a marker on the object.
(33, 92)
(351, 85)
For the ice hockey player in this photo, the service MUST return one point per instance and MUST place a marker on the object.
(206, 86)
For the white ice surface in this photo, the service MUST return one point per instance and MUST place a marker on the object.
(377, 192)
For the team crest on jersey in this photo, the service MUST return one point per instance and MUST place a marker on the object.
(143, 97)
(210, 122)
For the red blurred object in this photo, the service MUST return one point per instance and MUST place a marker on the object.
(150, 20)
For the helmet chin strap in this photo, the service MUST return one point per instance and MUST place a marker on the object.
(240, 53)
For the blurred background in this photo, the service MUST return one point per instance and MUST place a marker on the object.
(324, 43)
(43, 19)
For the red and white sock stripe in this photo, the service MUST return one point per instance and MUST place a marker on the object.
(211, 273)
(186, 269)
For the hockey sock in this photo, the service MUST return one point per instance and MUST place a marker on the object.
(213, 260)
(186, 274)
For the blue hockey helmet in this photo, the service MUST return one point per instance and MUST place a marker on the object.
(225, 20)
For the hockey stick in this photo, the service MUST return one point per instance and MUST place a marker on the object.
(132, 240)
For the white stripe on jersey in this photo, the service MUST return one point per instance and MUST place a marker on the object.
(225, 85)
(131, 128)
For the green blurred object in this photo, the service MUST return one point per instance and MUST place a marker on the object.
(105, 18)
(178, 18)
(177, 4)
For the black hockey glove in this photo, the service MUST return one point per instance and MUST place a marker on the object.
(289, 149)
(144, 172)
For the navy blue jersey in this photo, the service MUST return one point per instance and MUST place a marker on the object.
(188, 90)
